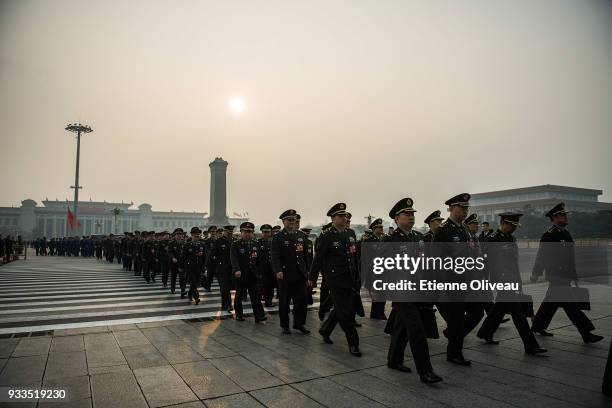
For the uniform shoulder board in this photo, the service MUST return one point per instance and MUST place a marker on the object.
(444, 223)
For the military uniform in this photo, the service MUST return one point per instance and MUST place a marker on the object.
(453, 240)
(502, 265)
(221, 262)
(193, 260)
(245, 258)
(174, 257)
(336, 258)
(288, 252)
(405, 322)
(268, 277)
(558, 261)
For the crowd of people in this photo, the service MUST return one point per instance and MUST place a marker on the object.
(8, 248)
(284, 263)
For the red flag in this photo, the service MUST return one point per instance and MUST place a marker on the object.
(70, 220)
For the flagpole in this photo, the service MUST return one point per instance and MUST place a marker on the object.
(78, 129)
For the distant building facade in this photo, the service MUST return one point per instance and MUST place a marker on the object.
(98, 218)
(536, 200)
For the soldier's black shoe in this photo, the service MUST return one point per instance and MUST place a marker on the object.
(536, 350)
(541, 332)
(197, 301)
(488, 339)
(321, 315)
(459, 361)
(379, 317)
(354, 350)
(302, 329)
(357, 324)
(172, 292)
(399, 367)
(326, 338)
(239, 318)
(261, 319)
(183, 294)
(430, 377)
(165, 285)
(591, 338)
(286, 331)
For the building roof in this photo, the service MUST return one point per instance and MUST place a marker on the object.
(537, 189)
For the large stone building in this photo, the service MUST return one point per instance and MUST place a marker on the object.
(536, 199)
(51, 219)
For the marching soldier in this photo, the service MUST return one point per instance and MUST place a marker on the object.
(209, 242)
(162, 256)
(192, 261)
(289, 259)
(137, 253)
(175, 246)
(406, 322)
(558, 260)
(246, 265)
(221, 262)
(455, 238)
(269, 282)
(336, 258)
(502, 264)
(475, 311)
(377, 310)
(325, 302)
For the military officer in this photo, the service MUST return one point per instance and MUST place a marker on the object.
(377, 310)
(502, 264)
(269, 282)
(289, 259)
(556, 257)
(174, 256)
(221, 262)
(192, 260)
(406, 322)
(209, 273)
(325, 302)
(246, 267)
(453, 239)
(162, 256)
(336, 257)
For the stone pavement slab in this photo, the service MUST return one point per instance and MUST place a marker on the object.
(243, 400)
(244, 373)
(117, 390)
(68, 364)
(143, 356)
(68, 343)
(205, 380)
(32, 346)
(284, 397)
(162, 386)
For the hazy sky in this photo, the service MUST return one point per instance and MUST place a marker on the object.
(357, 101)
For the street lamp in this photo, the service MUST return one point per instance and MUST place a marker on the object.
(78, 129)
(116, 212)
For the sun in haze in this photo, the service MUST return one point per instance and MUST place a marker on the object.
(237, 104)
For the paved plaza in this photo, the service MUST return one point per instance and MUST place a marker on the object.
(113, 341)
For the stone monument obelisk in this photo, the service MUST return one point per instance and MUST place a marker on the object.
(218, 193)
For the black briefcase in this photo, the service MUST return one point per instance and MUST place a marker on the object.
(572, 294)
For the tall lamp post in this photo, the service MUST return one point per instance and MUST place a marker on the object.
(78, 129)
(116, 212)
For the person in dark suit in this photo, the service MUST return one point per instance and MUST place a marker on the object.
(557, 258)
(220, 260)
(485, 231)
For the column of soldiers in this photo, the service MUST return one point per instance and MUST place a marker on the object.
(284, 260)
